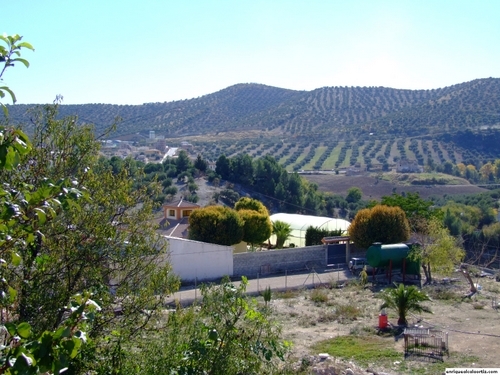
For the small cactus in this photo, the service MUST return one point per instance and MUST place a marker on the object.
(267, 295)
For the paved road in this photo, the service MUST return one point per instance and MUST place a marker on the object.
(307, 279)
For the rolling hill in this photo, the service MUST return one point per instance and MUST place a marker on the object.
(366, 125)
(344, 111)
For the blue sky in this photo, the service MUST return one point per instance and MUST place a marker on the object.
(130, 52)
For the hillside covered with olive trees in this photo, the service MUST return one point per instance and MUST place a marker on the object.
(343, 112)
(323, 129)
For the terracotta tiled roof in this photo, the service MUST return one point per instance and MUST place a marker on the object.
(181, 203)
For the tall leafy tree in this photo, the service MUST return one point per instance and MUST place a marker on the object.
(267, 174)
(354, 195)
(107, 246)
(417, 210)
(437, 250)
(379, 224)
(223, 167)
(182, 161)
(216, 224)
(242, 169)
(201, 164)
(26, 211)
(257, 225)
(295, 189)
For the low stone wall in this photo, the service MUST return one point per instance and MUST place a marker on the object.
(280, 260)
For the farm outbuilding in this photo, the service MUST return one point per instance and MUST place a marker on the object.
(300, 223)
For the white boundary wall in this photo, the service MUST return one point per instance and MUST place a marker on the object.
(192, 260)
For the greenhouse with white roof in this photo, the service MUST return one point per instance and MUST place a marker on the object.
(300, 223)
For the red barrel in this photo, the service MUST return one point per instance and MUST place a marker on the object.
(382, 321)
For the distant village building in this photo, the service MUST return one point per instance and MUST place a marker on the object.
(352, 171)
(186, 145)
(161, 144)
(408, 166)
(212, 165)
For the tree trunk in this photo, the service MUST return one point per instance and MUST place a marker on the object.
(473, 289)
(427, 272)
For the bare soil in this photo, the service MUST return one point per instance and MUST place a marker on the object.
(374, 188)
(473, 324)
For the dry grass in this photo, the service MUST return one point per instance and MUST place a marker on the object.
(321, 315)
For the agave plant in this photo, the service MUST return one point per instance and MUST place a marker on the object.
(404, 299)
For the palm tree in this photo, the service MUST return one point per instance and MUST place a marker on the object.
(404, 299)
(282, 231)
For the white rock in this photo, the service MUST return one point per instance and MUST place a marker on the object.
(323, 355)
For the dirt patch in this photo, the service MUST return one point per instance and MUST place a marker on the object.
(374, 188)
(473, 325)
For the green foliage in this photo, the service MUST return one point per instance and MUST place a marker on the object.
(282, 231)
(460, 218)
(216, 224)
(13, 145)
(257, 223)
(363, 276)
(229, 196)
(267, 294)
(381, 223)
(182, 162)
(363, 349)
(201, 164)
(246, 203)
(26, 211)
(437, 250)
(314, 235)
(51, 351)
(417, 210)
(226, 334)
(62, 234)
(223, 167)
(319, 295)
(354, 195)
(403, 300)
(10, 54)
(257, 226)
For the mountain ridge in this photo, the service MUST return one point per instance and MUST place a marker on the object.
(333, 111)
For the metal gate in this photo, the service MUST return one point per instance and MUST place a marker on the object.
(336, 253)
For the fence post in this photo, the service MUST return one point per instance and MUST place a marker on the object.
(258, 289)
